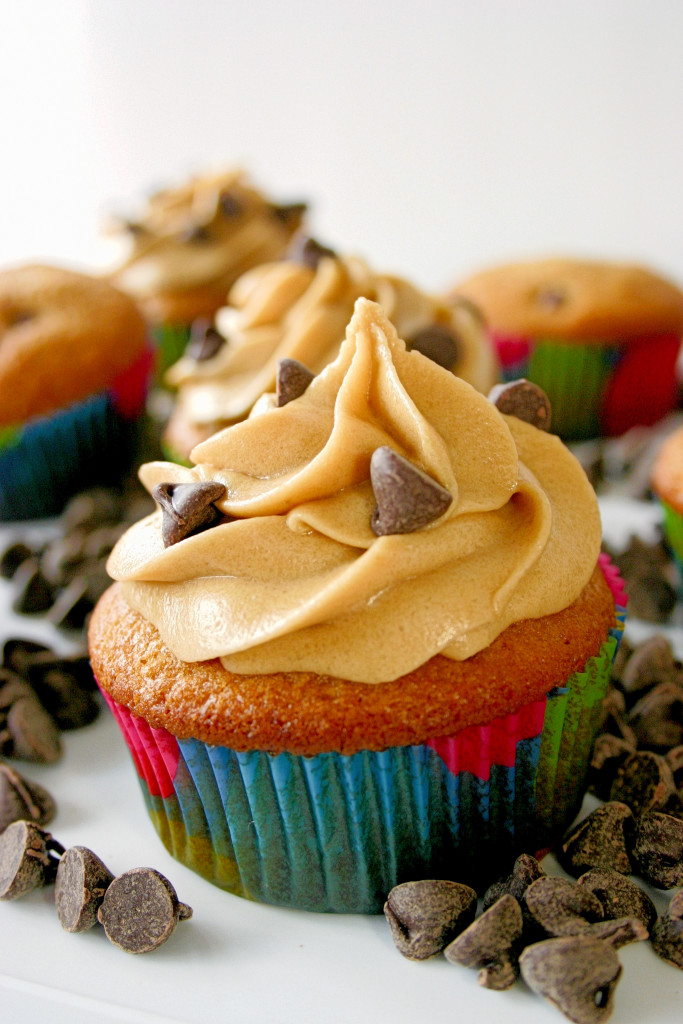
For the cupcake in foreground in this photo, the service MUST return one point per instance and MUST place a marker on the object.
(74, 369)
(601, 339)
(358, 643)
(298, 308)
(191, 243)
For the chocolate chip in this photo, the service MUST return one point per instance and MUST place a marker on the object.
(526, 870)
(61, 556)
(140, 910)
(12, 687)
(667, 940)
(72, 605)
(644, 782)
(187, 508)
(62, 695)
(658, 849)
(81, 882)
(289, 214)
(308, 251)
(438, 343)
(524, 400)
(407, 498)
(91, 508)
(34, 593)
(613, 718)
(425, 916)
(17, 653)
(609, 753)
(602, 840)
(657, 718)
(35, 736)
(619, 931)
(674, 758)
(651, 662)
(619, 896)
(12, 558)
(491, 944)
(576, 973)
(205, 342)
(21, 800)
(292, 380)
(560, 907)
(28, 859)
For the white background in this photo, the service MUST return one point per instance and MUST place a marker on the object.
(432, 137)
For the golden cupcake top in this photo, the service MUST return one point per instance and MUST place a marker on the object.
(381, 513)
(63, 336)
(204, 233)
(298, 308)
(571, 298)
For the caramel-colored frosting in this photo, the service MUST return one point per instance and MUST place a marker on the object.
(209, 230)
(299, 581)
(289, 310)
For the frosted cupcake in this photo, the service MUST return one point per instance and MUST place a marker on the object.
(190, 244)
(298, 308)
(359, 643)
(74, 371)
(601, 339)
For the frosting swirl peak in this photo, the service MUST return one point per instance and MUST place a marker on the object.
(298, 580)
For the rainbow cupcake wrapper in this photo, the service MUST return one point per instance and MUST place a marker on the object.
(44, 462)
(673, 532)
(596, 389)
(336, 832)
(170, 341)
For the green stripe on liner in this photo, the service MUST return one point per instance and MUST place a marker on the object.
(9, 436)
(673, 527)
(574, 379)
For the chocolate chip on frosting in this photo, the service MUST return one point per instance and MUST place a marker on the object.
(187, 508)
(524, 400)
(205, 340)
(438, 343)
(308, 251)
(407, 498)
(292, 380)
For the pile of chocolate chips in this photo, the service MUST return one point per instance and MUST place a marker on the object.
(138, 910)
(63, 577)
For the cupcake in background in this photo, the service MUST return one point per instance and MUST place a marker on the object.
(190, 243)
(74, 371)
(667, 484)
(358, 642)
(601, 339)
(297, 309)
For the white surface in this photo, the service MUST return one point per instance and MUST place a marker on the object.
(241, 961)
(431, 136)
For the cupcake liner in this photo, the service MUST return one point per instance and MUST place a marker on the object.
(673, 533)
(170, 341)
(336, 832)
(594, 388)
(44, 462)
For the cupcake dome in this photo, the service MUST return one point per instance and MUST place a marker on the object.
(74, 366)
(331, 683)
(601, 339)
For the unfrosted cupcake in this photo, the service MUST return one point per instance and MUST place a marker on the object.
(601, 339)
(74, 370)
(359, 643)
(667, 484)
(298, 308)
(190, 244)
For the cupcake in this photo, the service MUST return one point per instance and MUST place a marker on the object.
(74, 367)
(298, 308)
(358, 642)
(191, 243)
(601, 339)
(667, 485)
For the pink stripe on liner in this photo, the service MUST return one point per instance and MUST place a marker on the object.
(129, 390)
(613, 579)
(155, 752)
(478, 747)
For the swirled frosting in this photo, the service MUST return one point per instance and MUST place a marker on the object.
(287, 309)
(297, 580)
(209, 230)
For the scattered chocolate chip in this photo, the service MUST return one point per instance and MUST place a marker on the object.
(657, 718)
(644, 782)
(35, 736)
(560, 907)
(91, 508)
(12, 687)
(288, 213)
(526, 870)
(619, 896)
(667, 940)
(619, 931)
(188, 508)
(21, 800)
(425, 916)
(61, 693)
(407, 498)
(613, 717)
(62, 556)
(438, 343)
(491, 944)
(12, 557)
(602, 840)
(609, 753)
(72, 606)
(205, 342)
(229, 205)
(576, 973)
(34, 593)
(524, 400)
(658, 849)
(292, 380)
(646, 572)
(28, 859)
(674, 758)
(81, 882)
(17, 653)
(308, 251)
(651, 662)
(140, 910)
